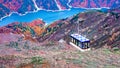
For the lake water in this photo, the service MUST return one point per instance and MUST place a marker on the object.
(46, 16)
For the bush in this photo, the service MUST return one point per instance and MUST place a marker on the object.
(37, 60)
(13, 44)
(116, 50)
(26, 46)
(50, 43)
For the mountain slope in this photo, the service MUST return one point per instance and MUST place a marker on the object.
(101, 28)
(27, 30)
(20, 6)
(23, 6)
(95, 3)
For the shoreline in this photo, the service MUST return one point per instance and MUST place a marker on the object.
(48, 11)
(31, 12)
(3, 19)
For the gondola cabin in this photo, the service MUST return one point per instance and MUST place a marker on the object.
(80, 42)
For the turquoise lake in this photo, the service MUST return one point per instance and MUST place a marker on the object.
(46, 16)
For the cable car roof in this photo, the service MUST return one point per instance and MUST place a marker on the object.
(80, 37)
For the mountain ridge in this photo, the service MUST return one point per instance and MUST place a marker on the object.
(103, 27)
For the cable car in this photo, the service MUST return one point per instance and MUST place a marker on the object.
(80, 42)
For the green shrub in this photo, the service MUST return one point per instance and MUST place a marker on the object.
(37, 60)
(35, 48)
(107, 51)
(26, 45)
(116, 50)
(13, 44)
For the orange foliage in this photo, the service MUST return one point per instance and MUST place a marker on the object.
(37, 26)
(38, 30)
(26, 66)
(36, 23)
(27, 32)
(114, 36)
(45, 65)
(28, 37)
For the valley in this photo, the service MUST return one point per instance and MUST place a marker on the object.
(34, 45)
(37, 33)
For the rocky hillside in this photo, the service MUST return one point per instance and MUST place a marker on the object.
(22, 6)
(101, 28)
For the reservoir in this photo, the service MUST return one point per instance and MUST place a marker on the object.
(47, 16)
